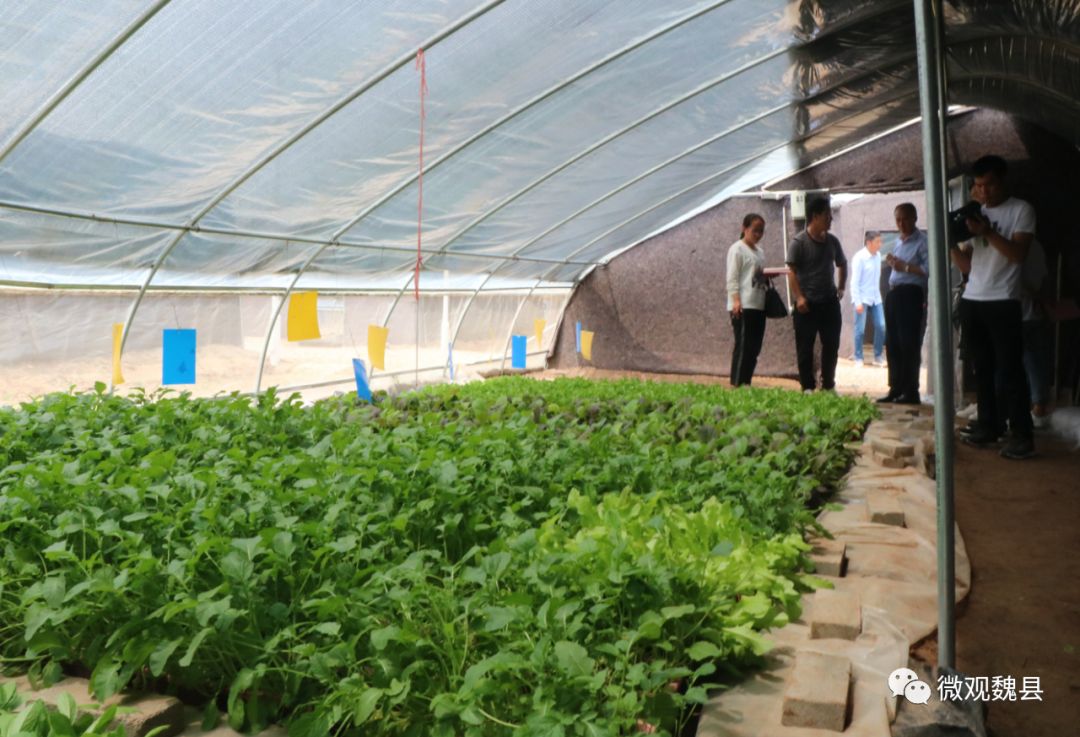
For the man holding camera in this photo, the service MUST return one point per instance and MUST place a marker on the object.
(990, 311)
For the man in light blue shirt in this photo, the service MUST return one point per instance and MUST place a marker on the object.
(905, 307)
(866, 296)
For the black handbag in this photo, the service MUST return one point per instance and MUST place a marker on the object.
(774, 303)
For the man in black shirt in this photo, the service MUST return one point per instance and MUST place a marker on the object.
(812, 256)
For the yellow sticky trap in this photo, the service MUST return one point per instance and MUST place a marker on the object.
(303, 321)
(376, 345)
(586, 344)
(539, 325)
(117, 340)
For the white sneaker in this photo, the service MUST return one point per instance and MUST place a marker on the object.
(858, 363)
(970, 412)
(879, 362)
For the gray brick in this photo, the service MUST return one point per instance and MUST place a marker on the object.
(817, 692)
(884, 508)
(828, 556)
(835, 614)
(890, 462)
(893, 448)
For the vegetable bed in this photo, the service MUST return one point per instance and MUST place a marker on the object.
(467, 560)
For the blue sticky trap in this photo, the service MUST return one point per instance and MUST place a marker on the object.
(450, 360)
(517, 351)
(577, 334)
(362, 389)
(178, 357)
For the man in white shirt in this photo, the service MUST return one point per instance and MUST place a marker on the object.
(990, 309)
(866, 296)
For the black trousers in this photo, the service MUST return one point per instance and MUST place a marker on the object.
(749, 333)
(994, 335)
(905, 323)
(823, 318)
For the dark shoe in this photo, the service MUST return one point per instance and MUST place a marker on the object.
(980, 438)
(888, 398)
(1018, 449)
(908, 399)
(975, 427)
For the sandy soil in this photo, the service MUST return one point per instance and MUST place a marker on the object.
(224, 368)
(868, 379)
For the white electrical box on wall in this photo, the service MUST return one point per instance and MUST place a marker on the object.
(798, 205)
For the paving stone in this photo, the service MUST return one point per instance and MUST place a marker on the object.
(835, 614)
(142, 713)
(817, 692)
(890, 462)
(829, 556)
(884, 508)
(150, 712)
(893, 448)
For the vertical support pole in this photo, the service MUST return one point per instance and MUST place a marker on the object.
(783, 256)
(416, 383)
(1057, 333)
(444, 323)
(929, 34)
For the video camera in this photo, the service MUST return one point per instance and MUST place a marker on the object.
(958, 229)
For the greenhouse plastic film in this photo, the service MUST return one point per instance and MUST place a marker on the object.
(45, 43)
(45, 249)
(212, 261)
(505, 57)
(202, 92)
(56, 340)
(557, 127)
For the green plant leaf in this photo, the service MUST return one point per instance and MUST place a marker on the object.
(702, 650)
(193, 646)
(159, 658)
(365, 705)
(573, 659)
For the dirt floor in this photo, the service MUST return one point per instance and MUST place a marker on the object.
(1021, 524)
(1020, 521)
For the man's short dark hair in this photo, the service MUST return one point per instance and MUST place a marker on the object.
(871, 235)
(907, 207)
(989, 165)
(817, 206)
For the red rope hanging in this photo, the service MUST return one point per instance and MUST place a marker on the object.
(422, 66)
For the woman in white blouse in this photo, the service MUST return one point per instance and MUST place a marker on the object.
(746, 298)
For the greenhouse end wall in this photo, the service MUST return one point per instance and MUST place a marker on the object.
(662, 305)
